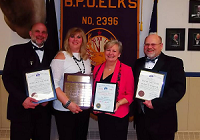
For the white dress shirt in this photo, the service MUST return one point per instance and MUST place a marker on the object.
(39, 52)
(150, 65)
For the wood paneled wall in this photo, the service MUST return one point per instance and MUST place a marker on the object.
(188, 108)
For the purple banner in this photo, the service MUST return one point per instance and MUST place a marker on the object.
(103, 20)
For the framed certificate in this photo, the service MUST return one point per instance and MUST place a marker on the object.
(150, 85)
(105, 97)
(78, 88)
(40, 85)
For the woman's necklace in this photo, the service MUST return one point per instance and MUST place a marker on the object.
(76, 61)
(110, 68)
(118, 77)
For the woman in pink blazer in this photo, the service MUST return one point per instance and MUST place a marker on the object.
(115, 126)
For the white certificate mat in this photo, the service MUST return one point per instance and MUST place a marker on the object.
(40, 85)
(105, 97)
(150, 85)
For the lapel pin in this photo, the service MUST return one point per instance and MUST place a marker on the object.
(31, 62)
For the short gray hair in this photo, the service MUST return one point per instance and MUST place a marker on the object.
(153, 33)
(111, 43)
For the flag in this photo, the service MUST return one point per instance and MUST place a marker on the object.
(153, 23)
(52, 42)
(146, 15)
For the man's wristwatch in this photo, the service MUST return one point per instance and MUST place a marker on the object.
(67, 104)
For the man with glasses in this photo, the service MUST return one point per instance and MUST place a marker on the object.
(156, 119)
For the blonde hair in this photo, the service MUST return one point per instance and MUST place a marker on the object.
(112, 43)
(74, 31)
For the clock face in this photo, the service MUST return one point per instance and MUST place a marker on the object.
(97, 38)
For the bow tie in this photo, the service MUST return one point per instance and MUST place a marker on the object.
(151, 60)
(36, 48)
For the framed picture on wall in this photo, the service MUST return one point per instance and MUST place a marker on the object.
(194, 11)
(194, 39)
(175, 39)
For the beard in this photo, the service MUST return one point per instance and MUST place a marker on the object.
(39, 43)
(151, 55)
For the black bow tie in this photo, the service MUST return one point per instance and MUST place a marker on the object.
(151, 60)
(36, 48)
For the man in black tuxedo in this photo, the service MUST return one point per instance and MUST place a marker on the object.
(28, 119)
(156, 119)
(175, 40)
(197, 40)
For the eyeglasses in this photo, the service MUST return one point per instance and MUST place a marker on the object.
(153, 44)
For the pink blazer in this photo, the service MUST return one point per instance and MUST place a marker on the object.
(126, 88)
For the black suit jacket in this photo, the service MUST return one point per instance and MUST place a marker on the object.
(21, 58)
(163, 118)
(174, 43)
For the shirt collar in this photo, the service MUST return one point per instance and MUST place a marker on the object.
(36, 45)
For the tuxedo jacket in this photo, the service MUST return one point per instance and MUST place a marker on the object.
(126, 85)
(174, 43)
(163, 118)
(21, 58)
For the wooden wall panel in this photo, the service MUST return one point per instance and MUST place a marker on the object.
(188, 107)
(182, 109)
(194, 106)
(4, 123)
